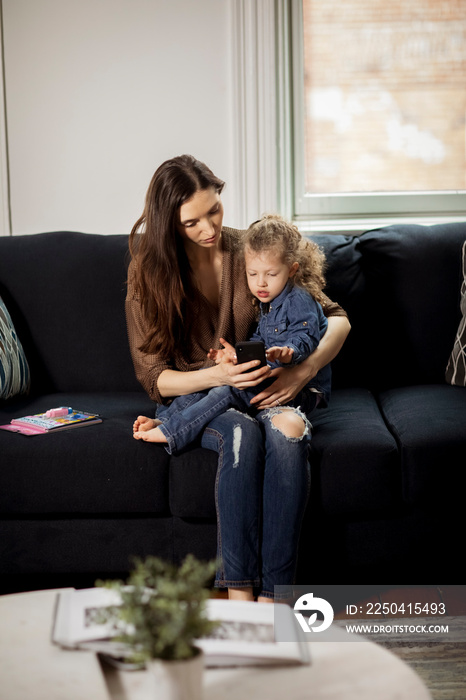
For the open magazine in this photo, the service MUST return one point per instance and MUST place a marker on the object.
(245, 635)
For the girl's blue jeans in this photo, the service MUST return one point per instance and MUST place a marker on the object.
(261, 491)
(187, 416)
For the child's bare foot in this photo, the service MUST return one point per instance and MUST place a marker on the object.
(142, 424)
(153, 435)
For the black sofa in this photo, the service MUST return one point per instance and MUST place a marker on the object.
(388, 456)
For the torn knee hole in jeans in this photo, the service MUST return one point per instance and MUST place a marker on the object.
(280, 410)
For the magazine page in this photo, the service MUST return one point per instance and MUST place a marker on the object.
(77, 614)
(246, 634)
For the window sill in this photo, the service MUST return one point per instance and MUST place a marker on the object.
(355, 226)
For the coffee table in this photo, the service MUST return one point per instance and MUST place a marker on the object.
(32, 667)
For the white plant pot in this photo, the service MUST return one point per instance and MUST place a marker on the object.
(178, 680)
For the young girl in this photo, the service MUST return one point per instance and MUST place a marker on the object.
(285, 275)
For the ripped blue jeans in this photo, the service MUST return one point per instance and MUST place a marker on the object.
(186, 417)
(262, 486)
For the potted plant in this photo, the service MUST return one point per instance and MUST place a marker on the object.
(161, 615)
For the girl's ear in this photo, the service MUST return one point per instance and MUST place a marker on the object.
(293, 269)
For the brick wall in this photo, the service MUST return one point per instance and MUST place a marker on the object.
(385, 95)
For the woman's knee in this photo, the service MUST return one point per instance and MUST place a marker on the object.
(238, 427)
(233, 417)
(241, 438)
(292, 423)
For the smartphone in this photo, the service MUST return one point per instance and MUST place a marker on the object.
(251, 350)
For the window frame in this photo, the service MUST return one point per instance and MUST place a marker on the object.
(5, 211)
(347, 211)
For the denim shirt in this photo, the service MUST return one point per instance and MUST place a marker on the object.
(295, 319)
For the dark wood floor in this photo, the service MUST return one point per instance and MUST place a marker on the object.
(441, 665)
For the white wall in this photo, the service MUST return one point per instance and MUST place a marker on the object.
(99, 93)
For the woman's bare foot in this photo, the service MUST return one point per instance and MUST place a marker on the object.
(152, 435)
(240, 594)
(143, 424)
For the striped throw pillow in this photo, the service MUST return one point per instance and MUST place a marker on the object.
(14, 369)
(456, 368)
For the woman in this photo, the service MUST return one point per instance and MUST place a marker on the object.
(186, 293)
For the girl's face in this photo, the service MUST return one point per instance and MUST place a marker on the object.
(200, 219)
(267, 274)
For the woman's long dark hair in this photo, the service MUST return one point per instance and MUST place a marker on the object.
(162, 270)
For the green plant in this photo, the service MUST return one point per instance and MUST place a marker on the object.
(163, 607)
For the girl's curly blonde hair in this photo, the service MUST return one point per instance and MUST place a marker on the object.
(273, 233)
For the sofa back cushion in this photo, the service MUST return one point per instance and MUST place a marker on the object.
(413, 280)
(65, 292)
(400, 286)
(346, 285)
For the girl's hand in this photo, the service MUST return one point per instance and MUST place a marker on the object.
(280, 354)
(217, 355)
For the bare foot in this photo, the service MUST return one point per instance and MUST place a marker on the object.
(152, 435)
(142, 424)
(240, 594)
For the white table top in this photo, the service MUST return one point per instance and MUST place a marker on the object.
(31, 667)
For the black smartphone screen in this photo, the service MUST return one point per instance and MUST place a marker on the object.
(251, 350)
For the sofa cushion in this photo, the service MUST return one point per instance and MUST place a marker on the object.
(102, 545)
(66, 292)
(97, 469)
(192, 483)
(411, 302)
(456, 368)
(429, 424)
(354, 458)
(14, 368)
(346, 285)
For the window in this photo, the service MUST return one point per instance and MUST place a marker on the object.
(379, 110)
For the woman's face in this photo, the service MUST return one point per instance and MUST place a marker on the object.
(200, 219)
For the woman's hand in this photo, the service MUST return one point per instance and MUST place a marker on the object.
(287, 385)
(233, 374)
